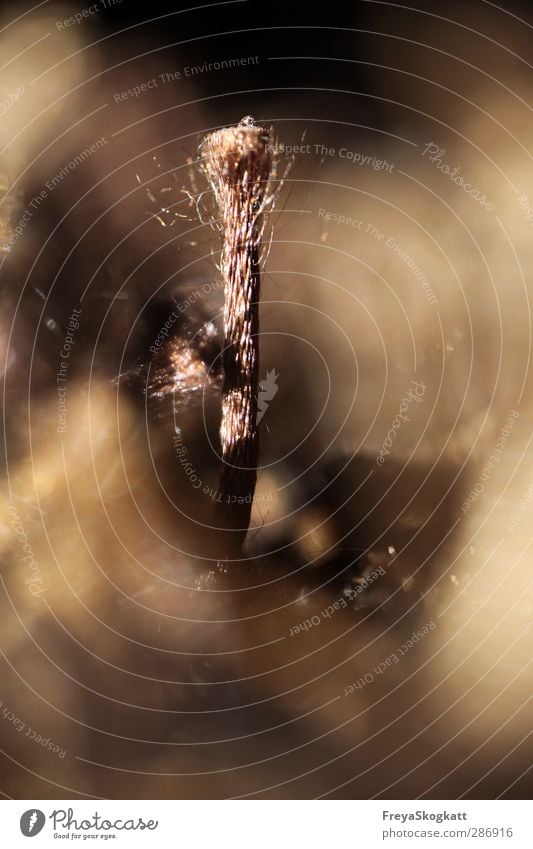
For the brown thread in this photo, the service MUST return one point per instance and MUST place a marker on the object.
(238, 164)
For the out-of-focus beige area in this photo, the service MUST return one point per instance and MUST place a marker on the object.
(129, 667)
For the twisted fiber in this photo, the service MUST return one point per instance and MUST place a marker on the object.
(238, 164)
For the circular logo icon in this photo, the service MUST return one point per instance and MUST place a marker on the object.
(32, 822)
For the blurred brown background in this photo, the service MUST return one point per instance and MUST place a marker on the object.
(120, 648)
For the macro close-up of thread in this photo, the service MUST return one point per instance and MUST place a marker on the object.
(265, 338)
